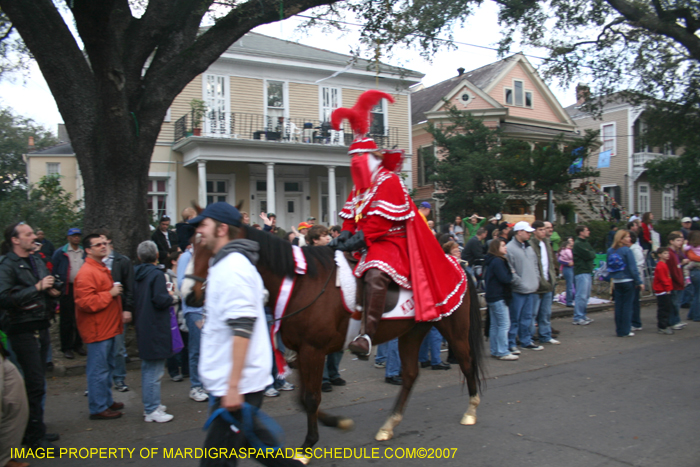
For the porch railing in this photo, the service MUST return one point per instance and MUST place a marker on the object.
(240, 125)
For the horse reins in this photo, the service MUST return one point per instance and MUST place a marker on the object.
(323, 290)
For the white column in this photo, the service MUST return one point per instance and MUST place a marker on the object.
(202, 185)
(332, 208)
(271, 187)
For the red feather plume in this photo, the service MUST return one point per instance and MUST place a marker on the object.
(359, 115)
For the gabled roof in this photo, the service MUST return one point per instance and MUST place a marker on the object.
(260, 45)
(607, 103)
(424, 100)
(60, 148)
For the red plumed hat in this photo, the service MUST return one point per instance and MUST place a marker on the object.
(360, 114)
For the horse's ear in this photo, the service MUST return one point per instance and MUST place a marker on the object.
(239, 205)
(197, 207)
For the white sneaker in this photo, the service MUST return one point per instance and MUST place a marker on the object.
(158, 416)
(509, 357)
(287, 386)
(552, 341)
(636, 329)
(679, 326)
(271, 392)
(161, 407)
(198, 395)
(514, 350)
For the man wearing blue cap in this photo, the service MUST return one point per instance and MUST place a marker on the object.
(236, 355)
(67, 261)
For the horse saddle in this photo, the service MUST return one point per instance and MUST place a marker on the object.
(392, 293)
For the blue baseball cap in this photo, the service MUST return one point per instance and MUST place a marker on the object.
(426, 205)
(74, 231)
(222, 212)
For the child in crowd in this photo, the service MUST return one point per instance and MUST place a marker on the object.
(692, 250)
(662, 289)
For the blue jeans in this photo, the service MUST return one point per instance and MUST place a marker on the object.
(694, 313)
(583, 293)
(687, 297)
(330, 369)
(636, 310)
(624, 295)
(542, 315)
(151, 373)
(195, 335)
(99, 369)
(431, 343)
(520, 319)
(381, 353)
(119, 357)
(674, 316)
(393, 361)
(568, 272)
(498, 332)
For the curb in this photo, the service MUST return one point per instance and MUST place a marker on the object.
(563, 312)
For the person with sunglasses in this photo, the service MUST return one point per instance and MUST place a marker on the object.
(27, 295)
(98, 311)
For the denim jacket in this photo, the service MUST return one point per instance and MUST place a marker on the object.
(630, 271)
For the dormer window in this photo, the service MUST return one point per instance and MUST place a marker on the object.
(517, 95)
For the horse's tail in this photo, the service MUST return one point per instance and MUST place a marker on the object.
(476, 341)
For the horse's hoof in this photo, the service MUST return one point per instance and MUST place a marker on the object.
(468, 420)
(303, 459)
(384, 435)
(346, 424)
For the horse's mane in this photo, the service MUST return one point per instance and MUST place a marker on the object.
(276, 254)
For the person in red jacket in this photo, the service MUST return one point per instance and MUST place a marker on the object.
(675, 262)
(663, 286)
(98, 312)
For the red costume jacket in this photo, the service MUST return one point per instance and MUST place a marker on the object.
(400, 243)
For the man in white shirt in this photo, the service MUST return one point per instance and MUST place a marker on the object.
(236, 355)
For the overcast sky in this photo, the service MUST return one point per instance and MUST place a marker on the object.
(31, 97)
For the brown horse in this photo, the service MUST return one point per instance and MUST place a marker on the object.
(316, 322)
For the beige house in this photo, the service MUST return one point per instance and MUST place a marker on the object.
(265, 138)
(508, 94)
(621, 126)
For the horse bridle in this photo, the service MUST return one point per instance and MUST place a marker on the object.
(323, 290)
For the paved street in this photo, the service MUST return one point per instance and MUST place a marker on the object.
(595, 400)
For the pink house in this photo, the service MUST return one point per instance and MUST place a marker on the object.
(508, 94)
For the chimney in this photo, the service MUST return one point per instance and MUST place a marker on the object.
(31, 144)
(460, 71)
(583, 92)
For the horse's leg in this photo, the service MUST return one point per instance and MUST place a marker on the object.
(311, 363)
(452, 329)
(409, 345)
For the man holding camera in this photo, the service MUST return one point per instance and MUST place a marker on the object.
(27, 295)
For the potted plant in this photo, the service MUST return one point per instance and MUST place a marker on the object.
(199, 108)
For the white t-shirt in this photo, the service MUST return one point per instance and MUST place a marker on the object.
(545, 259)
(234, 290)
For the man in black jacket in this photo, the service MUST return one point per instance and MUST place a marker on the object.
(27, 295)
(165, 239)
(123, 272)
(474, 249)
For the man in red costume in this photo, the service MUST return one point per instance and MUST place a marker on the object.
(390, 239)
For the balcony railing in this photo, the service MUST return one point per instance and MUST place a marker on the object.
(247, 126)
(641, 158)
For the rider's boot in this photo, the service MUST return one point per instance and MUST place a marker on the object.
(376, 284)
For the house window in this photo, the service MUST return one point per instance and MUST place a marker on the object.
(261, 185)
(217, 99)
(640, 143)
(217, 190)
(424, 172)
(292, 186)
(276, 104)
(669, 149)
(528, 99)
(53, 168)
(509, 96)
(667, 204)
(378, 127)
(167, 117)
(643, 197)
(518, 91)
(157, 197)
(330, 100)
(608, 135)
